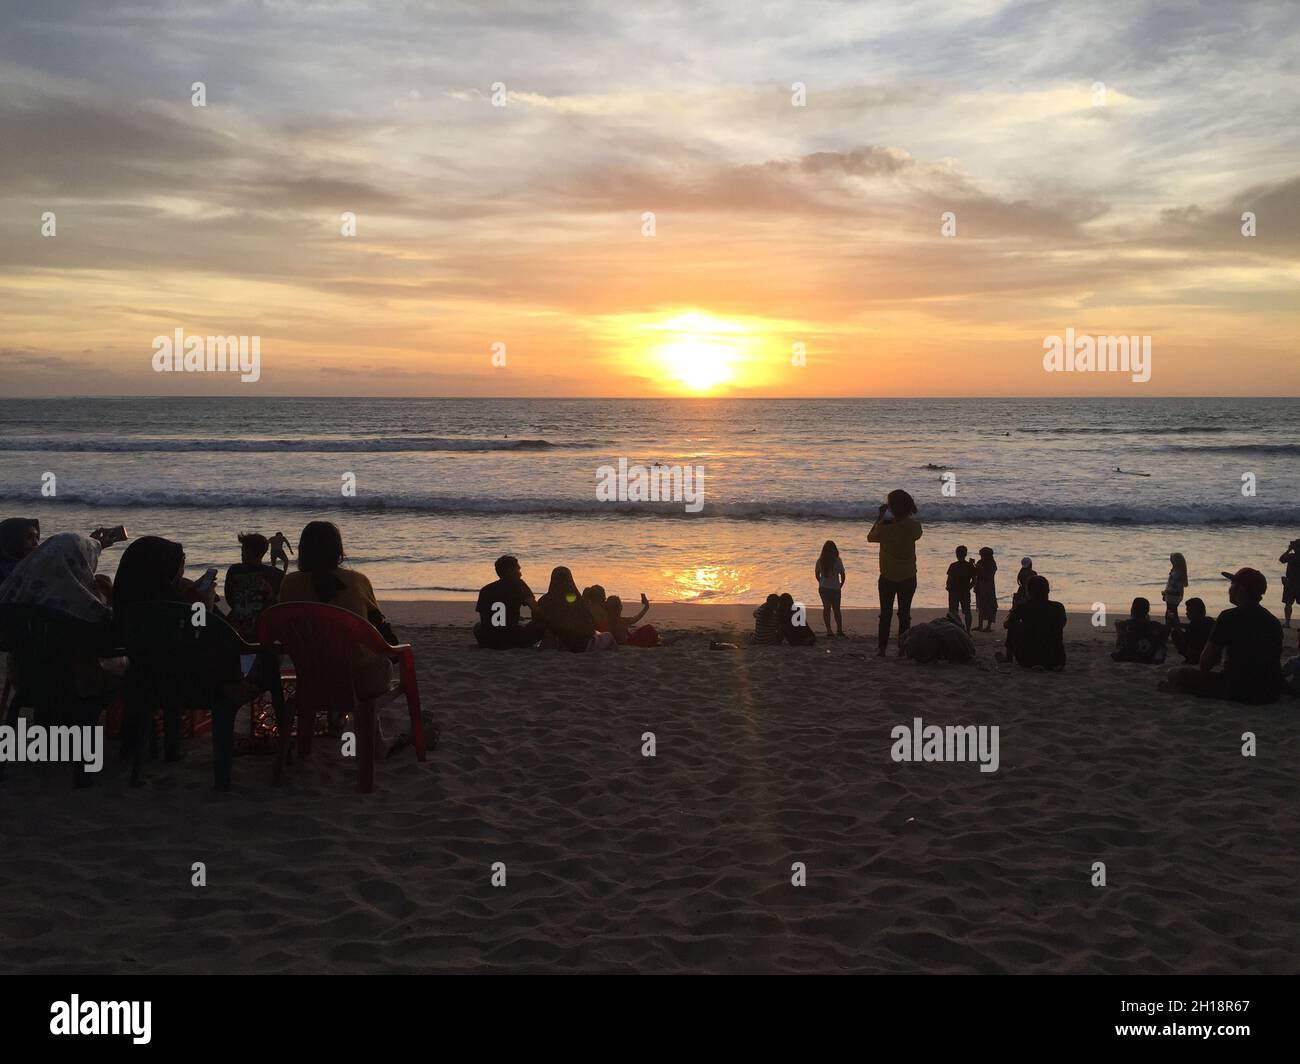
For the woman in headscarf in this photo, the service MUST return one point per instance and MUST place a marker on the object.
(567, 616)
(19, 536)
(58, 577)
(208, 672)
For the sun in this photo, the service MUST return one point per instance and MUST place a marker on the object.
(701, 352)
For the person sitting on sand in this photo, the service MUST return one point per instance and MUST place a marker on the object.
(1034, 628)
(1291, 672)
(59, 579)
(322, 578)
(1190, 639)
(767, 629)
(829, 571)
(1250, 637)
(19, 536)
(1022, 581)
(567, 620)
(896, 529)
(498, 607)
(594, 598)
(621, 627)
(961, 578)
(250, 585)
(1290, 579)
(1138, 638)
(279, 543)
(1175, 585)
(793, 622)
(986, 592)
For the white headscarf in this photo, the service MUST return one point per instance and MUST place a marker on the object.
(59, 575)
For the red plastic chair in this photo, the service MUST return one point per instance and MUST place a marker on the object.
(322, 641)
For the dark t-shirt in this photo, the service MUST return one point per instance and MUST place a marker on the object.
(1191, 639)
(1252, 639)
(1034, 630)
(960, 575)
(512, 593)
(1140, 640)
(249, 589)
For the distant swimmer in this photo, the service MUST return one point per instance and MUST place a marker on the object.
(1130, 472)
(931, 465)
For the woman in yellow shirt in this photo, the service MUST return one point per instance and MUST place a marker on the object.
(321, 578)
(896, 530)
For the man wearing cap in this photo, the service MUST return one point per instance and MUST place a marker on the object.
(1252, 640)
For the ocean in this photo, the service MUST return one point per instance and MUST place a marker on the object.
(444, 486)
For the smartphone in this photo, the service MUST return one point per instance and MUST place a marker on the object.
(206, 580)
(116, 534)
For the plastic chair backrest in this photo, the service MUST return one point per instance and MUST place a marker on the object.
(322, 640)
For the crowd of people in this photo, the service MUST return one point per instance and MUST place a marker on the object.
(1234, 656)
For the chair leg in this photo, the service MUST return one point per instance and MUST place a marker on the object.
(223, 744)
(363, 721)
(412, 690)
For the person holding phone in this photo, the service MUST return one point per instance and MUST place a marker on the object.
(896, 529)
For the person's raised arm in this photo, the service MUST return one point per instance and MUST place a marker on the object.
(874, 535)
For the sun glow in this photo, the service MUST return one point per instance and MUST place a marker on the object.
(702, 352)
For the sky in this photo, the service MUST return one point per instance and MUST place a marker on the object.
(588, 199)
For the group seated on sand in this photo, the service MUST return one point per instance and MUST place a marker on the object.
(1235, 657)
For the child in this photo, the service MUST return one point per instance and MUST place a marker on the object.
(767, 632)
(594, 599)
(830, 579)
(961, 577)
(621, 627)
(1022, 579)
(1190, 641)
(1139, 638)
(986, 594)
(1174, 588)
(796, 634)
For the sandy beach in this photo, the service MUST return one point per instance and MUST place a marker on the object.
(682, 862)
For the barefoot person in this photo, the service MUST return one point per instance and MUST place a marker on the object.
(278, 544)
(1175, 586)
(961, 578)
(896, 530)
(830, 579)
(1290, 580)
(1251, 639)
(986, 589)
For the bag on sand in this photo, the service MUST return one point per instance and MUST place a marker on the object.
(939, 640)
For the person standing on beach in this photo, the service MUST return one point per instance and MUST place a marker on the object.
(278, 543)
(1174, 588)
(986, 592)
(1291, 580)
(896, 529)
(961, 578)
(830, 579)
